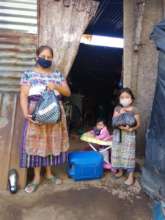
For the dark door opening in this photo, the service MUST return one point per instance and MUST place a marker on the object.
(96, 74)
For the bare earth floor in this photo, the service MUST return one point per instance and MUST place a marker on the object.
(105, 199)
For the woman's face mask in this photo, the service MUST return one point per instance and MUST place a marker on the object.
(44, 63)
(125, 102)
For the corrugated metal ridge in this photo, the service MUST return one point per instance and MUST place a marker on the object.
(18, 15)
(16, 20)
(18, 5)
(22, 1)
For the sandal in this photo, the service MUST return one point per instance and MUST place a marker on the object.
(55, 180)
(31, 187)
(13, 181)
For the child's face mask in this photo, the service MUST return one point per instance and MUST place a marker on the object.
(99, 125)
(97, 131)
(125, 102)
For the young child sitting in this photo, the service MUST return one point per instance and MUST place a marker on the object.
(100, 131)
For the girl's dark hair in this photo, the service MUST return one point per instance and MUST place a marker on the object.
(100, 120)
(127, 90)
(42, 48)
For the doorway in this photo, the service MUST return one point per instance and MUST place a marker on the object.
(96, 75)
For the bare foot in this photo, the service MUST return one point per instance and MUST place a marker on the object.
(49, 176)
(119, 174)
(129, 181)
(54, 179)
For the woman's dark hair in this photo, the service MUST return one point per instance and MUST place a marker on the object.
(127, 90)
(42, 48)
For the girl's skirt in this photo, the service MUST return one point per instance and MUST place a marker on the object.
(123, 150)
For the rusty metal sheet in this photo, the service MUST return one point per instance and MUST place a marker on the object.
(17, 54)
(18, 41)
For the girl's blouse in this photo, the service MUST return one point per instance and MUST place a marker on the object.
(134, 109)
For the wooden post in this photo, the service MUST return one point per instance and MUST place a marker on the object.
(61, 24)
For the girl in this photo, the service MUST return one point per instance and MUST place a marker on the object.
(100, 131)
(42, 145)
(124, 138)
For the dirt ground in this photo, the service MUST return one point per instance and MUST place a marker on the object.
(105, 199)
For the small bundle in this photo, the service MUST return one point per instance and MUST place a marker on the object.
(125, 119)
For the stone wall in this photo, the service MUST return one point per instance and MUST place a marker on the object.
(140, 56)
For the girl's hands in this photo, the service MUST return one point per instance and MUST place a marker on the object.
(130, 129)
(122, 111)
(126, 128)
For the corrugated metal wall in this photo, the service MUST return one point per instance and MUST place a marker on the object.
(17, 52)
(17, 49)
(18, 40)
(19, 15)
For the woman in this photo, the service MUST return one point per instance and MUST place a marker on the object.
(42, 145)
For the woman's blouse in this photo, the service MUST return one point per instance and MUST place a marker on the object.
(38, 81)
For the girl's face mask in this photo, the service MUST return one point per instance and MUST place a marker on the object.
(125, 102)
(44, 63)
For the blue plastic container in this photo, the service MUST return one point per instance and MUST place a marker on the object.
(157, 212)
(86, 165)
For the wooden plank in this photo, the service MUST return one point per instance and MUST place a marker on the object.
(16, 142)
(10, 137)
(5, 138)
(62, 26)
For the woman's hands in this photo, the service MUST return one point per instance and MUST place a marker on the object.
(52, 86)
(29, 117)
(62, 88)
